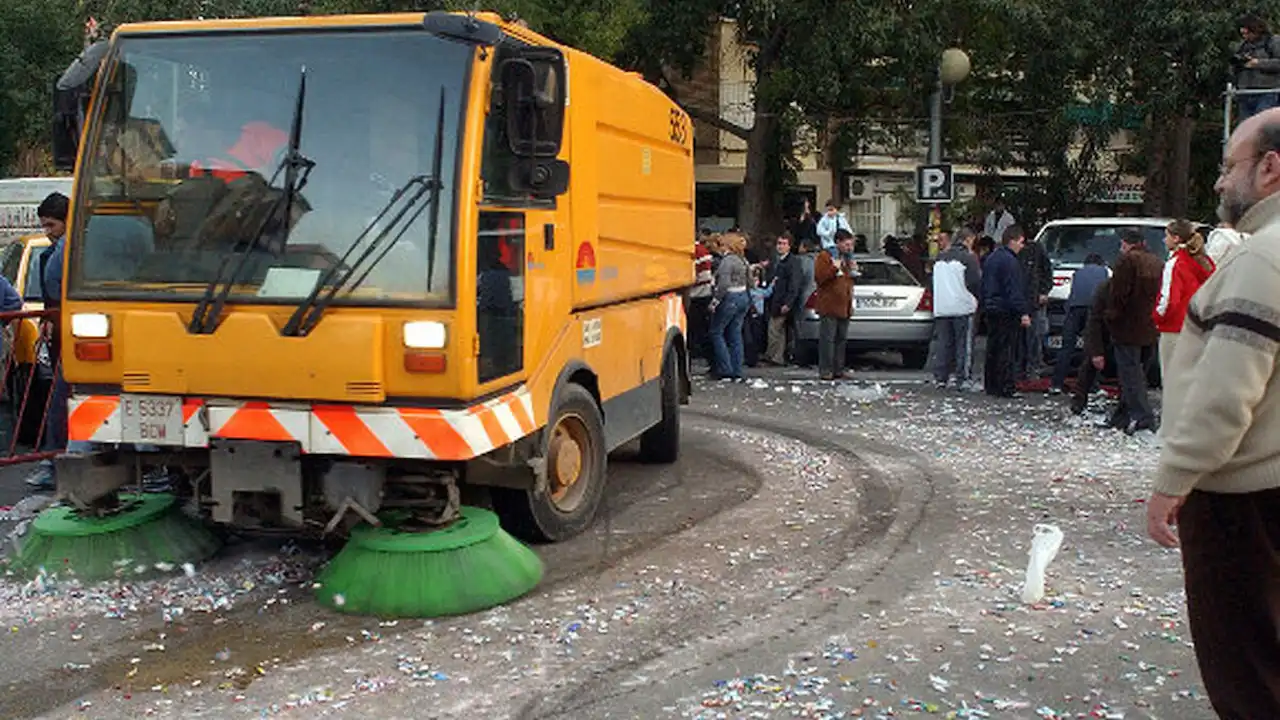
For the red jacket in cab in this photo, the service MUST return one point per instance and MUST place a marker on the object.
(1184, 273)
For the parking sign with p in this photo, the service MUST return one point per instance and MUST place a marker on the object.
(934, 184)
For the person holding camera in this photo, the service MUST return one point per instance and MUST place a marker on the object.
(1256, 65)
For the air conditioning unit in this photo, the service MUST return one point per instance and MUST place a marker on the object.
(966, 191)
(859, 188)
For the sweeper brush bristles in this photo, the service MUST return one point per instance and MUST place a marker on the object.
(468, 566)
(148, 535)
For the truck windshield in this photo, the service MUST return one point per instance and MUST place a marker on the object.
(1071, 244)
(192, 129)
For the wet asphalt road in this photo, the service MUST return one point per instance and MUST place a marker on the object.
(646, 505)
(877, 517)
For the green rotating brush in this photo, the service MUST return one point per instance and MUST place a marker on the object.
(147, 535)
(465, 567)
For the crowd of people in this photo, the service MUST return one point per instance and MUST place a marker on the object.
(746, 310)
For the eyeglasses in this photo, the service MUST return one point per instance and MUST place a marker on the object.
(1225, 167)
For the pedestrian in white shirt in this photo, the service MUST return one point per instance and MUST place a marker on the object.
(1222, 242)
(831, 222)
(997, 220)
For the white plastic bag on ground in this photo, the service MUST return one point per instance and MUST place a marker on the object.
(1044, 546)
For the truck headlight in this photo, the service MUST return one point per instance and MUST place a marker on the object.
(425, 335)
(90, 325)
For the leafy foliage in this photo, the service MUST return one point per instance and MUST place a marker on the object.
(36, 43)
(1050, 78)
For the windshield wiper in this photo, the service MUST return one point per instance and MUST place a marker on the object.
(297, 169)
(406, 201)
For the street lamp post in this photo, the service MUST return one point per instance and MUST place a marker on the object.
(953, 68)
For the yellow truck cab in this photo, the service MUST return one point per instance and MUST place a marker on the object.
(374, 262)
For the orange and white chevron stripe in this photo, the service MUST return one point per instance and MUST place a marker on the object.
(326, 429)
(674, 305)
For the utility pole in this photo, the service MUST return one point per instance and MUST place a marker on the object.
(935, 121)
(953, 67)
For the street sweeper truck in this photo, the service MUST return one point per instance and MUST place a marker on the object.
(341, 273)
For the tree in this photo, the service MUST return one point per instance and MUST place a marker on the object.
(36, 43)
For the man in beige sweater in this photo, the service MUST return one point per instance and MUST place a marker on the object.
(1219, 474)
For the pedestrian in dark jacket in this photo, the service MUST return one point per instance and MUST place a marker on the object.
(1037, 273)
(1256, 64)
(786, 281)
(913, 258)
(834, 271)
(805, 227)
(1134, 290)
(1004, 303)
(1084, 284)
(1096, 341)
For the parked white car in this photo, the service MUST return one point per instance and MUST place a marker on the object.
(891, 311)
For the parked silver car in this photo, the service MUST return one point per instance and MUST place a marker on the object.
(891, 311)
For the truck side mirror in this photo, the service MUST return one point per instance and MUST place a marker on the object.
(65, 132)
(544, 179)
(70, 103)
(533, 92)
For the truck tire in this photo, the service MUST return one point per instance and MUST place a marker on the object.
(661, 443)
(576, 463)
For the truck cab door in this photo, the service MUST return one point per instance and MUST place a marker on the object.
(518, 252)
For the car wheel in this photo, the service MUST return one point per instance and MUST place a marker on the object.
(915, 358)
(806, 354)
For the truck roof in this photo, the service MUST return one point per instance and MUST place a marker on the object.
(355, 20)
(384, 20)
(273, 23)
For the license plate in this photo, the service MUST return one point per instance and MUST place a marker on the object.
(151, 419)
(874, 302)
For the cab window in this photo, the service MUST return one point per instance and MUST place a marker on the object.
(499, 161)
(500, 294)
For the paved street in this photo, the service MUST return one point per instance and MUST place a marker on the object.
(822, 550)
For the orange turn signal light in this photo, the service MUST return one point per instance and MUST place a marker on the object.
(419, 361)
(93, 350)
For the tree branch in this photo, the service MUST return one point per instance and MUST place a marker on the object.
(715, 121)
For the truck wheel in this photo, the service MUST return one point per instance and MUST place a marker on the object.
(661, 443)
(576, 462)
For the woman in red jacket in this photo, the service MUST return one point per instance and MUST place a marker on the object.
(1186, 270)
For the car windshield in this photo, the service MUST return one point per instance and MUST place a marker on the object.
(881, 272)
(1071, 244)
(183, 171)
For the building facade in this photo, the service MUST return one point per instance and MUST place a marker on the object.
(878, 193)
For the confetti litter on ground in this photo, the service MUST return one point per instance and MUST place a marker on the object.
(949, 639)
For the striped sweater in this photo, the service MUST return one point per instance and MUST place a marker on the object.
(1222, 391)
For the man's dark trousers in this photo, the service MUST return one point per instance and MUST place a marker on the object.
(1004, 335)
